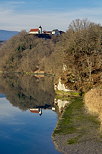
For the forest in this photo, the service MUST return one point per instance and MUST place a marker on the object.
(75, 56)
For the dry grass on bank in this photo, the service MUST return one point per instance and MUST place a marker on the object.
(93, 102)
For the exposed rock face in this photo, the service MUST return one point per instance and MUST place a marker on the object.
(61, 86)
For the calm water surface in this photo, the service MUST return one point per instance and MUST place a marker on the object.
(21, 131)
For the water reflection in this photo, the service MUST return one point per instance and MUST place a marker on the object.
(23, 131)
(28, 92)
(36, 110)
(60, 105)
(2, 96)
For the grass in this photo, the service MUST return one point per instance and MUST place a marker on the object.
(75, 120)
(63, 98)
(66, 94)
(73, 140)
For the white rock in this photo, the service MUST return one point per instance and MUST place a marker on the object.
(61, 86)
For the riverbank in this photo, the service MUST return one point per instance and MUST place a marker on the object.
(77, 131)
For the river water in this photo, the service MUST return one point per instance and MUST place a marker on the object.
(26, 117)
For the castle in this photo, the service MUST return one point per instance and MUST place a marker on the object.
(40, 31)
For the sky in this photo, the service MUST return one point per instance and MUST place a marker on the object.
(50, 14)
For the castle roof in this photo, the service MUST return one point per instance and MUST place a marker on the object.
(34, 30)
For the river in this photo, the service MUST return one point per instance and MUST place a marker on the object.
(27, 120)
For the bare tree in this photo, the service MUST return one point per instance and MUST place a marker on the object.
(78, 24)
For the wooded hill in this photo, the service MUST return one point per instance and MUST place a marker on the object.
(75, 56)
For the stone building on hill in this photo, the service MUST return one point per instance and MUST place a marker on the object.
(39, 30)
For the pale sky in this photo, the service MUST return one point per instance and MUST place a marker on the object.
(50, 14)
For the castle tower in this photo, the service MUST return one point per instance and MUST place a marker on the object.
(40, 30)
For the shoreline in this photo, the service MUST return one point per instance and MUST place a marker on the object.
(77, 131)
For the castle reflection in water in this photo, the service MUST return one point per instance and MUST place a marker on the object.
(31, 93)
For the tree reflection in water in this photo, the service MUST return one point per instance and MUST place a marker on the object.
(28, 92)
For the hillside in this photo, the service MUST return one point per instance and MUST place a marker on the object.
(5, 35)
(75, 56)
